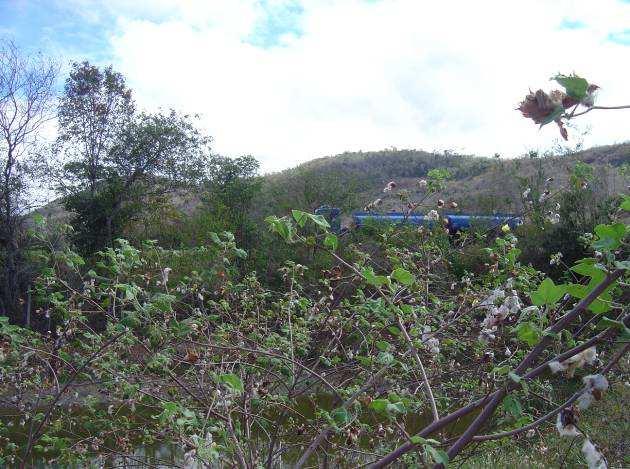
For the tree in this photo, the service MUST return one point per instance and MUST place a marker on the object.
(26, 93)
(117, 161)
(233, 183)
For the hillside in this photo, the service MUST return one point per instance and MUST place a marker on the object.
(478, 184)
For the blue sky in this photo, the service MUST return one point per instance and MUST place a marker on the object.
(291, 80)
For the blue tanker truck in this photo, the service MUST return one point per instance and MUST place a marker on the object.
(453, 222)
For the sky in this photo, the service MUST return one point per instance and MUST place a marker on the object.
(291, 80)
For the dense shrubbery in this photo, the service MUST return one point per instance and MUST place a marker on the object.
(177, 347)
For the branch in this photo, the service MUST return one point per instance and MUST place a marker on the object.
(446, 420)
(598, 107)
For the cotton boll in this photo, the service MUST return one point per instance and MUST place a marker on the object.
(590, 355)
(597, 382)
(594, 458)
(564, 424)
(585, 400)
(555, 367)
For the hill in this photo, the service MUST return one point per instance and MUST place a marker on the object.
(478, 184)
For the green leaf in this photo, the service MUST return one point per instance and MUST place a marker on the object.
(373, 279)
(625, 265)
(609, 236)
(590, 270)
(385, 358)
(231, 381)
(395, 408)
(418, 440)
(512, 406)
(281, 226)
(439, 456)
(382, 345)
(528, 332)
(300, 217)
(241, 253)
(340, 416)
(319, 220)
(575, 86)
(548, 293)
(403, 276)
(380, 405)
(625, 205)
(331, 241)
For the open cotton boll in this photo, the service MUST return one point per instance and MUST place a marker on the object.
(565, 425)
(596, 382)
(585, 400)
(594, 458)
(588, 356)
(555, 367)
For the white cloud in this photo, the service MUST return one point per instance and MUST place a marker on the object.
(369, 75)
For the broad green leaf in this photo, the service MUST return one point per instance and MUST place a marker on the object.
(625, 265)
(625, 205)
(590, 270)
(231, 381)
(600, 305)
(403, 276)
(512, 406)
(548, 293)
(379, 405)
(439, 456)
(382, 345)
(528, 332)
(373, 279)
(575, 86)
(241, 253)
(300, 217)
(281, 226)
(418, 440)
(395, 408)
(609, 236)
(385, 358)
(331, 241)
(319, 220)
(340, 416)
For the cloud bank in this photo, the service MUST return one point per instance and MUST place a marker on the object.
(288, 81)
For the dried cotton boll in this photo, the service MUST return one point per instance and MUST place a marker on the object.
(594, 458)
(165, 273)
(585, 400)
(526, 192)
(556, 367)
(596, 382)
(440, 203)
(433, 215)
(453, 204)
(422, 183)
(390, 186)
(565, 423)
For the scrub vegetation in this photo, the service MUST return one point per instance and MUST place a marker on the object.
(173, 307)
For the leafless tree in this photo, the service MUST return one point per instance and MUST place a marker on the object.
(26, 105)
